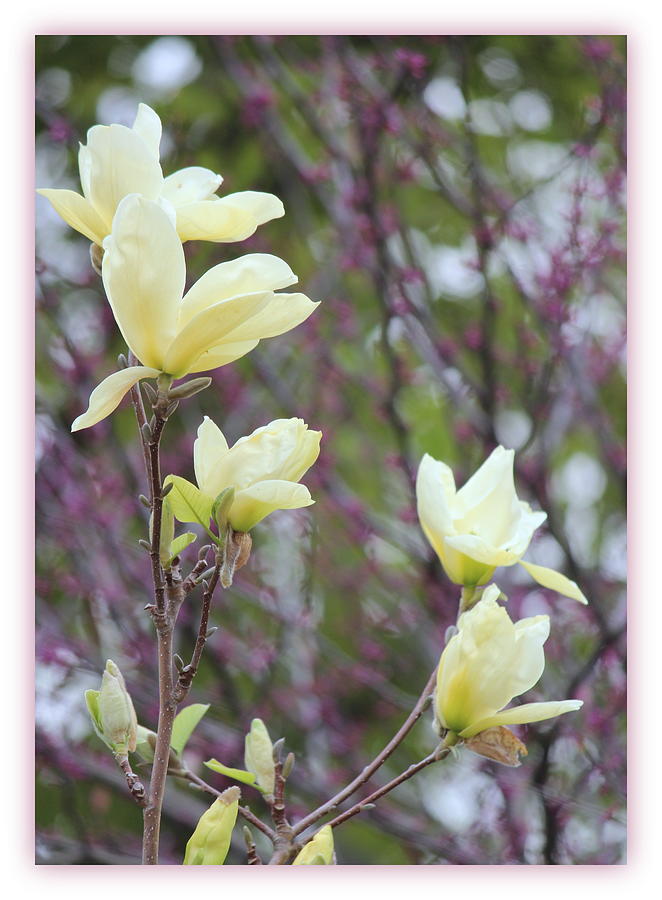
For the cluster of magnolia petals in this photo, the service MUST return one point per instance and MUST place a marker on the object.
(222, 317)
(262, 469)
(482, 526)
(319, 851)
(210, 842)
(487, 663)
(117, 161)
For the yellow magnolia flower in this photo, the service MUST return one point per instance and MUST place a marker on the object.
(210, 842)
(223, 316)
(117, 161)
(263, 468)
(319, 851)
(488, 662)
(483, 525)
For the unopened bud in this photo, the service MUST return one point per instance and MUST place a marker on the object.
(248, 837)
(145, 545)
(170, 408)
(152, 395)
(112, 712)
(189, 388)
(146, 432)
(145, 501)
(277, 749)
(211, 631)
(210, 842)
(122, 361)
(288, 765)
(203, 551)
(258, 755)
(236, 551)
(179, 662)
(319, 851)
(165, 490)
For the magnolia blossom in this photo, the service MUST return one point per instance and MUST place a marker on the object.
(117, 161)
(263, 468)
(210, 842)
(223, 316)
(483, 525)
(488, 662)
(318, 851)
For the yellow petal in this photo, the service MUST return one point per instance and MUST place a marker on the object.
(148, 125)
(221, 356)
(231, 218)
(209, 449)
(283, 312)
(520, 715)
(77, 212)
(144, 273)
(107, 395)
(121, 163)
(318, 850)
(190, 185)
(249, 274)
(554, 581)
(254, 503)
(477, 548)
(435, 493)
(206, 330)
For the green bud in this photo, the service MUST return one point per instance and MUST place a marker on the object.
(258, 755)
(189, 388)
(210, 842)
(319, 851)
(112, 713)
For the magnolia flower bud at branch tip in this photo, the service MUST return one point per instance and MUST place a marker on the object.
(112, 713)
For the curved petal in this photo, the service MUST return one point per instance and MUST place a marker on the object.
(476, 548)
(246, 275)
(77, 212)
(435, 494)
(231, 218)
(254, 503)
(554, 581)
(190, 185)
(84, 169)
(206, 330)
(520, 715)
(148, 125)
(283, 450)
(107, 396)
(121, 163)
(221, 356)
(143, 273)
(284, 312)
(496, 470)
(209, 449)
(520, 536)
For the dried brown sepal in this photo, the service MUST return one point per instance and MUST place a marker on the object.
(96, 257)
(498, 744)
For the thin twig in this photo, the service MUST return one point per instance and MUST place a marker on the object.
(378, 761)
(187, 674)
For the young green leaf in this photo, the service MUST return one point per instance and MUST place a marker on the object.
(238, 774)
(187, 502)
(180, 543)
(185, 722)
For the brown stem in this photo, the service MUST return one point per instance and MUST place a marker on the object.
(372, 767)
(187, 674)
(439, 754)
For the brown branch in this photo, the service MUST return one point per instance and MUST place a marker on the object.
(439, 754)
(187, 674)
(378, 761)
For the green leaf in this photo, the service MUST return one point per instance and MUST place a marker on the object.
(188, 503)
(238, 774)
(221, 508)
(181, 543)
(92, 701)
(185, 723)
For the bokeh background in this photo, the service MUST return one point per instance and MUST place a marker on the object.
(457, 203)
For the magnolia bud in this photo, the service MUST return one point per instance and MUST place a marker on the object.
(210, 842)
(189, 388)
(319, 851)
(112, 712)
(258, 755)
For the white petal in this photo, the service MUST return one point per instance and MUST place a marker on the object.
(84, 169)
(77, 212)
(143, 273)
(209, 449)
(208, 329)
(231, 218)
(190, 185)
(254, 503)
(435, 493)
(148, 125)
(107, 395)
(121, 163)
(554, 581)
(520, 715)
(246, 275)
